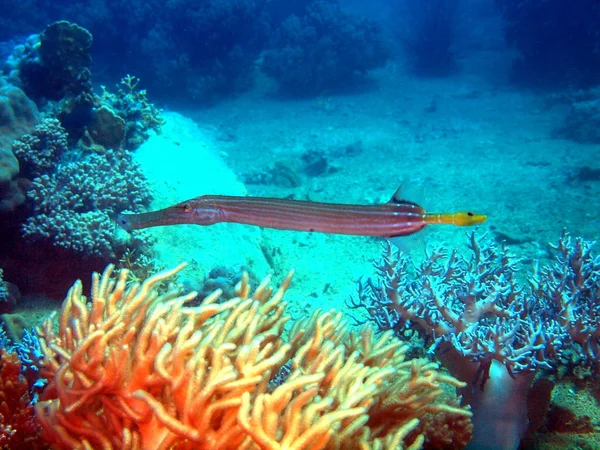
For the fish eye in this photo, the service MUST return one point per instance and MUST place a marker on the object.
(470, 214)
(187, 207)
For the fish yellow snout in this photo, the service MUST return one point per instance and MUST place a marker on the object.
(467, 218)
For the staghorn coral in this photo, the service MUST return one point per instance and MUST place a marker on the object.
(491, 331)
(569, 289)
(22, 346)
(5, 342)
(473, 303)
(135, 368)
(476, 304)
(29, 351)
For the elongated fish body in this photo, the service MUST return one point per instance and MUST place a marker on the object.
(394, 218)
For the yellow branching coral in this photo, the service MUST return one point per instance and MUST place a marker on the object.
(134, 368)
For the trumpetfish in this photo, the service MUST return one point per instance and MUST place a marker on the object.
(395, 218)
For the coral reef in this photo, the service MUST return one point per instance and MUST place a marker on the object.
(24, 49)
(224, 279)
(13, 326)
(192, 51)
(164, 49)
(133, 367)
(474, 303)
(4, 341)
(569, 290)
(73, 207)
(62, 60)
(491, 331)
(557, 43)
(445, 431)
(138, 116)
(107, 128)
(323, 50)
(582, 123)
(427, 30)
(9, 295)
(28, 349)
(54, 69)
(74, 196)
(232, 34)
(17, 338)
(61, 65)
(18, 429)
(279, 174)
(41, 151)
(18, 115)
(477, 305)
(75, 173)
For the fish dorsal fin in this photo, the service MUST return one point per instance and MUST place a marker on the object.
(409, 192)
(397, 197)
(413, 194)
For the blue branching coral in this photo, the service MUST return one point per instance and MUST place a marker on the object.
(569, 290)
(476, 304)
(4, 341)
(30, 355)
(29, 351)
(491, 331)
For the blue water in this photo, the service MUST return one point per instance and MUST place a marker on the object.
(490, 106)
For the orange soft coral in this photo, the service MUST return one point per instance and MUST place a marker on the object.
(134, 368)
